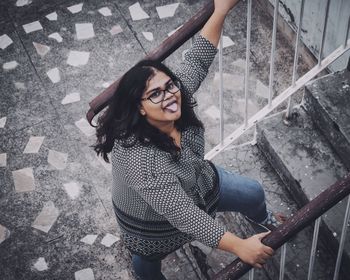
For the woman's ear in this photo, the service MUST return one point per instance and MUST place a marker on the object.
(141, 110)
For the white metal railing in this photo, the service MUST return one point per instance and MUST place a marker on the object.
(323, 62)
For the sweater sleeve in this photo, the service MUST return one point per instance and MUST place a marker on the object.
(193, 70)
(166, 196)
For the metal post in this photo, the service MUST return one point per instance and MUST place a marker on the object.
(221, 98)
(273, 48)
(313, 248)
(283, 260)
(347, 33)
(323, 33)
(296, 53)
(251, 274)
(247, 54)
(342, 240)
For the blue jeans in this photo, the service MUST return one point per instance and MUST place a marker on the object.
(237, 193)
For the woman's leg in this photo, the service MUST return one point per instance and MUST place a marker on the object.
(147, 270)
(241, 194)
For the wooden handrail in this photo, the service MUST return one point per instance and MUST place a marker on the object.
(165, 49)
(306, 215)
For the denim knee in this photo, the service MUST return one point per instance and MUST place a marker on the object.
(258, 194)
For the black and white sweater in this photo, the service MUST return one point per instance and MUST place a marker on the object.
(162, 204)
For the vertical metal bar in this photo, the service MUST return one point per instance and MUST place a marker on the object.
(273, 48)
(323, 33)
(313, 248)
(347, 33)
(283, 260)
(251, 274)
(221, 98)
(247, 58)
(342, 240)
(296, 53)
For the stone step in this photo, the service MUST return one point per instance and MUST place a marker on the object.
(306, 164)
(327, 101)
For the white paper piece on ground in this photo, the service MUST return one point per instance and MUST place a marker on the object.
(21, 3)
(105, 11)
(213, 112)
(84, 274)
(172, 32)
(20, 85)
(75, 8)
(57, 159)
(76, 58)
(109, 240)
(84, 31)
(148, 35)
(116, 29)
(71, 98)
(24, 180)
(262, 90)
(5, 41)
(47, 217)
(89, 239)
(32, 26)
(3, 160)
(56, 36)
(106, 84)
(52, 16)
(33, 145)
(54, 75)
(137, 13)
(3, 122)
(4, 233)
(41, 49)
(167, 10)
(10, 65)
(41, 265)
(227, 42)
(72, 189)
(85, 127)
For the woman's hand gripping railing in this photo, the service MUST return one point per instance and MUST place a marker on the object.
(165, 49)
(301, 219)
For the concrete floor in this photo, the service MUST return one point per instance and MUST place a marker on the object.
(54, 191)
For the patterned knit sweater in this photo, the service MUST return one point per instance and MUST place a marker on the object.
(160, 203)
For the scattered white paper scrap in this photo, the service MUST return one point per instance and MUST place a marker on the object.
(105, 11)
(137, 13)
(5, 41)
(109, 240)
(20, 85)
(3, 122)
(57, 159)
(52, 16)
(148, 35)
(24, 180)
(213, 112)
(71, 98)
(33, 145)
(85, 127)
(106, 84)
(33, 26)
(84, 274)
(75, 8)
(116, 29)
(10, 65)
(3, 160)
(21, 3)
(76, 58)
(72, 189)
(47, 217)
(41, 265)
(89, 239)
(167, 10)
(84, 31)
(41, 49)
(56, 36)
(172, 32)
(227, 42)
(54, 75)
(4, 233)
(262, 90)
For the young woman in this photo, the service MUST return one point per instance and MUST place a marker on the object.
(164, 193)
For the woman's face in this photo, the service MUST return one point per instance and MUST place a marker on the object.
(166, 111)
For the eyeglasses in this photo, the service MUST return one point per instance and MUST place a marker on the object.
(158, 95)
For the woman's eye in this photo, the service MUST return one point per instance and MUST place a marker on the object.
(170, 86)
(155, 94)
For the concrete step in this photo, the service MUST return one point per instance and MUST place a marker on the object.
(327, 101)
(306, 164)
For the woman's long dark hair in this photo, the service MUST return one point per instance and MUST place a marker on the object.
(122, 117)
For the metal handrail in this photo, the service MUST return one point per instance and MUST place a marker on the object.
(301, 219)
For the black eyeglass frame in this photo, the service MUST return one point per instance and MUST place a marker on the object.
(177, 85)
